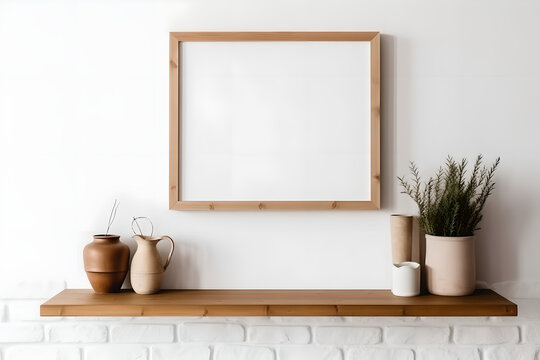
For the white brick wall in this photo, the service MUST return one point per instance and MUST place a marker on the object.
(310, 352)
(348, 335)
(380, 354)
(279, 334)
(235, 352)
(24, 310)
(116, 352)
(25, 336)
(42, 352)
(21, 333)
(142, 333)
(524, 352)
(211, 332)
(531, 333)
(77, 333)
(448, 353)
(481, 335)
(417, 335)
(181, 351)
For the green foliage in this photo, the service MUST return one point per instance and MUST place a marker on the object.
(449, 204)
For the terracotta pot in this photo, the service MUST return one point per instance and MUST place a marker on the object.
(106, 262)
(401, 238)
(450, 265)
(147, 267)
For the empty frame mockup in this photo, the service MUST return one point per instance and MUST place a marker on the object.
(274, 120)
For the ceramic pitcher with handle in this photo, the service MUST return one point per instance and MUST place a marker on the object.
(147, 267)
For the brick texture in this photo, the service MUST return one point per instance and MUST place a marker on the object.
(279, 334)
(243, 352)
(21, 333)
(116, 352)
(177, 351)
(431, 353)
(42, 352)
(26, 310)
(417, 335)
(380, 354)
(517, 352)
(486, 335)
(531, 334)
(310, 352)
(211, 332)
(342, 335)
(142, 333)
(78, 333)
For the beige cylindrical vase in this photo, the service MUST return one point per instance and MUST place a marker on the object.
(450, 265)
(401, 237)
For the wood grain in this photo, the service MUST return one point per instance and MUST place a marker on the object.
(274, 205)
(274, 303)
(376, 121)
(175, 176)
(174, 124)
(276, 36)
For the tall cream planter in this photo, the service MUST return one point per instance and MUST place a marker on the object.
(450, 265)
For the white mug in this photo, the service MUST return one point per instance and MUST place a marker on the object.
(406, 279)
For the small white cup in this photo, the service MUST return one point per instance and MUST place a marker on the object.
(406, 279)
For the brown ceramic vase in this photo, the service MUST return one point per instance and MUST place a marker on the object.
(106, 262)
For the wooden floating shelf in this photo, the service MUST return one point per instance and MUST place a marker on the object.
(274, 303)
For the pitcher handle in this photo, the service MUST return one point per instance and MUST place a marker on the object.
(170, 252)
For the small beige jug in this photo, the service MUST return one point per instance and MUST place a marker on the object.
(147, 267)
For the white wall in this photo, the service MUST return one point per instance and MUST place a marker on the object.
(84, 120)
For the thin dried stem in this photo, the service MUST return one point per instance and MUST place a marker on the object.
(112, 215)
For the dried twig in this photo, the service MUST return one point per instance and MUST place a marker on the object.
(112, 215)
(136, 222)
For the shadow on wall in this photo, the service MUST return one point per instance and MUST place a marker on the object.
(183, 271)
(503, 241)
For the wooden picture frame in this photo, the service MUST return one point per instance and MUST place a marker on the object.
(175, 176)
